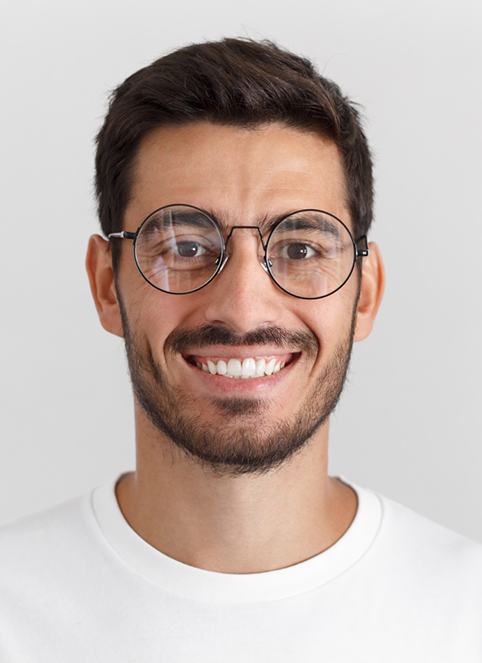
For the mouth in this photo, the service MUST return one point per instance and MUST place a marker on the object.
(236, 367)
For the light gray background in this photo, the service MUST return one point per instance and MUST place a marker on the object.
(410, 418)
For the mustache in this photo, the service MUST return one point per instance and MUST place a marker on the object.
(180, 340)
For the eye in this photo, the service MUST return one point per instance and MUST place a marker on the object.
(182, 249)
(297, 251)
(189, 249)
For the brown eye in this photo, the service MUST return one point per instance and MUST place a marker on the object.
(298, 251)
(189, 249)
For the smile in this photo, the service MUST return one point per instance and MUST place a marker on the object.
(243, 368)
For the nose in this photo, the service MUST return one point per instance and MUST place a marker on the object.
(261, 245)
(243, 296)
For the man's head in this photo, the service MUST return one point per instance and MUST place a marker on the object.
(249, 132)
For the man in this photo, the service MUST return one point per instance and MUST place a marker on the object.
(235, 195)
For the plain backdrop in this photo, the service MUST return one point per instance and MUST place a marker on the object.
(409, 422)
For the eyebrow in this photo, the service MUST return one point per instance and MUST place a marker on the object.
(321, 223)
(186, 218)
(198, 219)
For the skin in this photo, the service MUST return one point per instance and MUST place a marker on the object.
(280, 507)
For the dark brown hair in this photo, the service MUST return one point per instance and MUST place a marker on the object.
(235, 81)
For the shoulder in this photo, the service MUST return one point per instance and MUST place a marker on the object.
(46, 538)
(50, 518)
(424, 578)
(418, 532)
(437, 557)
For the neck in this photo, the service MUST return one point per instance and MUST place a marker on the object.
(243, 524)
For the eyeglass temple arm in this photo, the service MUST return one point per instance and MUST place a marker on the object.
(124, 234)
(363, 250)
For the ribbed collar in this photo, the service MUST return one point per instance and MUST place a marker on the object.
(209, 586)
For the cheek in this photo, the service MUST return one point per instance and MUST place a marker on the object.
(330, 318)
(154, 316)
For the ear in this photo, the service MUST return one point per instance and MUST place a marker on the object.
(371, 292)
(98, 263)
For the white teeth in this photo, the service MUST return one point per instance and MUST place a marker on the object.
(270, 367)
(260, 366)
(212, 367)
(234, 368)
(222, 367)
(246, 368)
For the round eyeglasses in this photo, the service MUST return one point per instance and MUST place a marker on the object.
(309, 254)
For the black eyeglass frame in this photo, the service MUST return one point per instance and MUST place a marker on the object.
(223, 258)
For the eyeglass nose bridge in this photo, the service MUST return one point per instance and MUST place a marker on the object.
(225, 255)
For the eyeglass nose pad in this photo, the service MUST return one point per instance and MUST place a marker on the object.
(264, 264)
(221, 261)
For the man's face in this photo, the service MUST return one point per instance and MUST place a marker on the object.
(232, 425)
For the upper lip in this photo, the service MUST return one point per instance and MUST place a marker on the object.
(240, 352)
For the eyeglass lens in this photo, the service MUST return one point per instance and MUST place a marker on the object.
(309, 254)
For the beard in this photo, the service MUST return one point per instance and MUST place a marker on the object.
(242, 438)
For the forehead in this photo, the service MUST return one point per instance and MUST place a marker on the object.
(242, 175)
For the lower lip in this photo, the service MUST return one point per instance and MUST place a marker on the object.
(224, 384)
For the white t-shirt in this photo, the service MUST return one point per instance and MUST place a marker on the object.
(77, 584)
